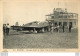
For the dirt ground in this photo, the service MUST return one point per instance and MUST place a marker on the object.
(24, 40)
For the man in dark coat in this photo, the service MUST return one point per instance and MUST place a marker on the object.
(70, 26)
(63, 27)
(4, 29)
(7, 29)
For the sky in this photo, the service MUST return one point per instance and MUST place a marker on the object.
(27, 11)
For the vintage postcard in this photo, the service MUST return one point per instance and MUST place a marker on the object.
(39, 25)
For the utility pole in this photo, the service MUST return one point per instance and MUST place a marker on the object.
(58, 4)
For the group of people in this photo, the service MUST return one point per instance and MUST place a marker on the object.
(58, 27)
(6, 29)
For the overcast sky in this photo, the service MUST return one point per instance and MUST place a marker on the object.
(25, 12)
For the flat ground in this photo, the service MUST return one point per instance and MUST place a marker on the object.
(17, 40)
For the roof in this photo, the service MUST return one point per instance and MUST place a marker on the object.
(36, 24)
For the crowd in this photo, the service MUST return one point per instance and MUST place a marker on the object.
(58, 27)
(6, 29)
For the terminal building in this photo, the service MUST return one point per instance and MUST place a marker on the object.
(62, 16)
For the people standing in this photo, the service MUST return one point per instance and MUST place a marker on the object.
(63, 27)
(57, 28)
(4, 29)
(70, 26)
(7, 29)
(52, 29)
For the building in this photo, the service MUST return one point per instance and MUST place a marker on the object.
(62, 17)
(16, 24)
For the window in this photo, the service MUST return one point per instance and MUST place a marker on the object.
(52, 17)
(65, 23)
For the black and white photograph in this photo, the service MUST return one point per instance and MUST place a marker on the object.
(40, 24)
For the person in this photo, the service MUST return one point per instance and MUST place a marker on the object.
(7, 29)
(4, 29)
(70, 26)
(57, 28)
(52, 29)
(63, 27)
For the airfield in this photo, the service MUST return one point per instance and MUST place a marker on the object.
(25, 40)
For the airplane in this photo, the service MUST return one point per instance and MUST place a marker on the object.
(36, 26)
